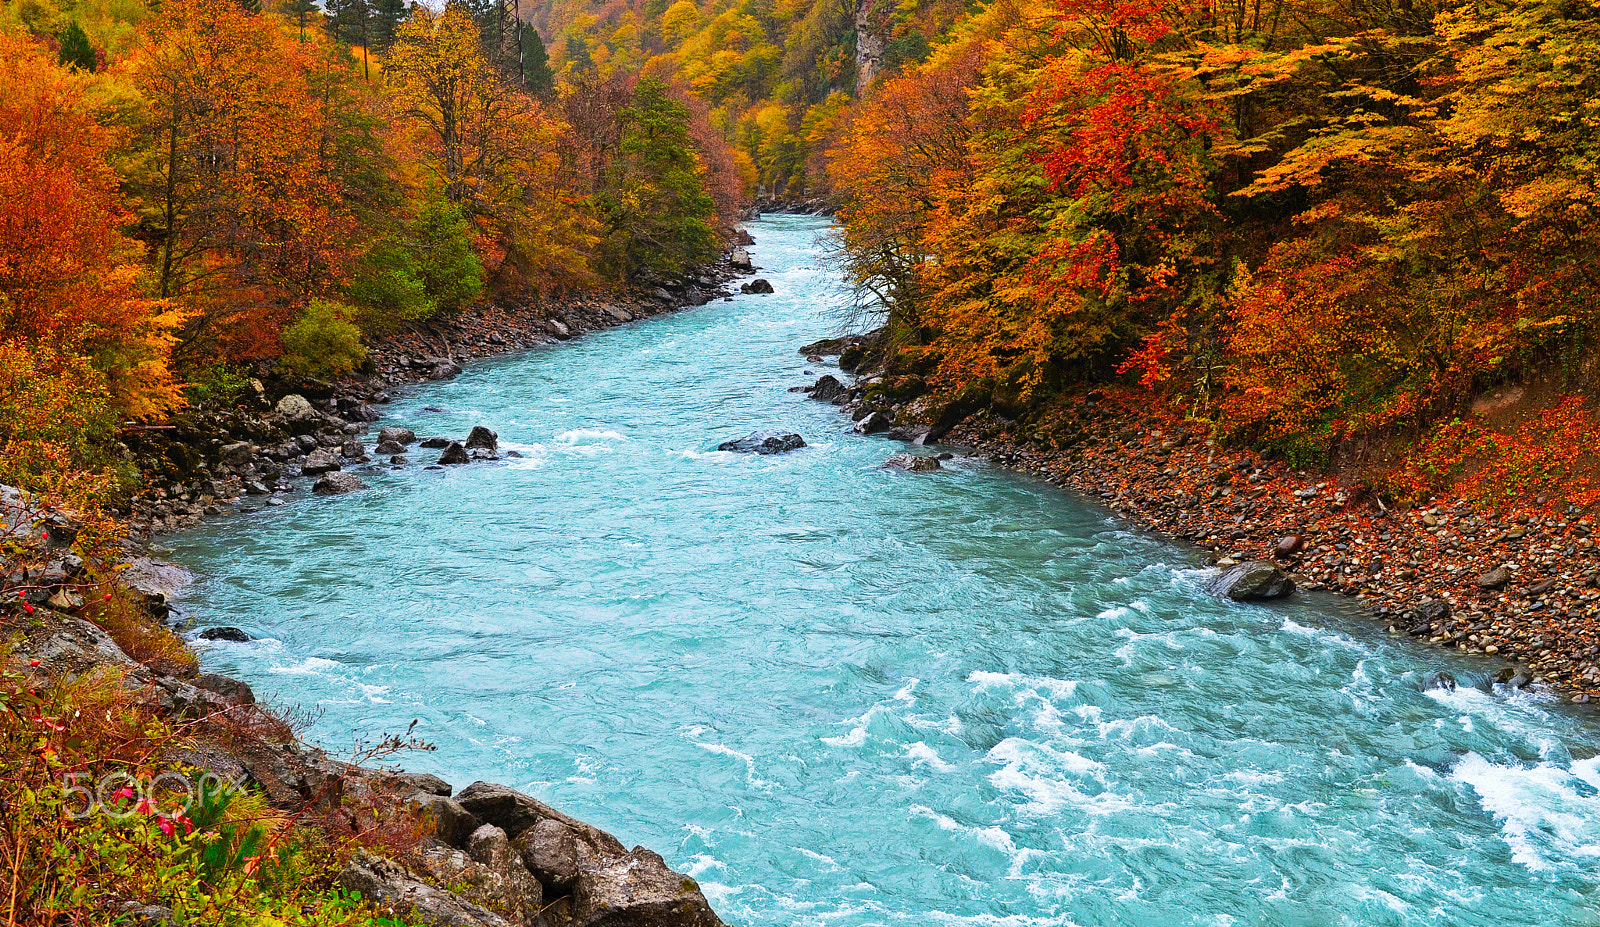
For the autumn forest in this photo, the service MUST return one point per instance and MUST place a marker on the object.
(1309, 223)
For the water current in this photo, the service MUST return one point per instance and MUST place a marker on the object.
(838, 695)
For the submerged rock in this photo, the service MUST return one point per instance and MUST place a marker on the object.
(911, 463)
(1439, 680)
(764, 442)
(225, 634)
(1252, 581)
(336, 484)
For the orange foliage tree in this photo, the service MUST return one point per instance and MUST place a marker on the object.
(68, 277)
(233, 173)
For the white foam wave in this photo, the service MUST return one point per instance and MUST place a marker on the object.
(588, 436)
(310, 666)
(750, 776)
(923, 755)
(1548, 815)
(1053, 780)
(1059, 688)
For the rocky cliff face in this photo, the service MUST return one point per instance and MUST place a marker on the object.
(872, 37)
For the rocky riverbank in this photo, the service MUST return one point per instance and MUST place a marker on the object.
(409, 844)
(1520, 588)
(488, 857)
(274, 441)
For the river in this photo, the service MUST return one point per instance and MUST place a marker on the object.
(837, 695)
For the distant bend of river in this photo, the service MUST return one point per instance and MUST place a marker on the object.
(840, 696)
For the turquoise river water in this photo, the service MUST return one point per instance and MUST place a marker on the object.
(837, 695)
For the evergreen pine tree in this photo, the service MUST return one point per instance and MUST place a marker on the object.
(387, 15)
(76, 52)
(536, 73)
(299, 13)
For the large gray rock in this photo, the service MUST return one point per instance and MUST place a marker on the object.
(558, 851)
(442, 368)
(1252, 581)
(764, 442)
(237, 454)
(911, 463)
(156, 580)
(554, 847)
(452, 824)
(874, 422)
(454, 454)
(640, 890)
(321, 461)
(482, 437)
(508, 889)
(401, 894)
(336, 484)
(296, 408)
(827, 388)
(397, 435)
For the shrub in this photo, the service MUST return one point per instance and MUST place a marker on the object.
(219, 383)
(322, 343)
(388, 282)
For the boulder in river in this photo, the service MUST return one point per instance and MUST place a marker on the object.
(442, 368)
(911, 463)
(397, 435)
(454, 454)
(389, 448)
(435, 444)
(234, 635)
(873, 423)
(764, 442)
(827, 388)
(1252, 581)
(1439, 680)
(482, 437)
(337, 484)
(759, 287)
(320, 461)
